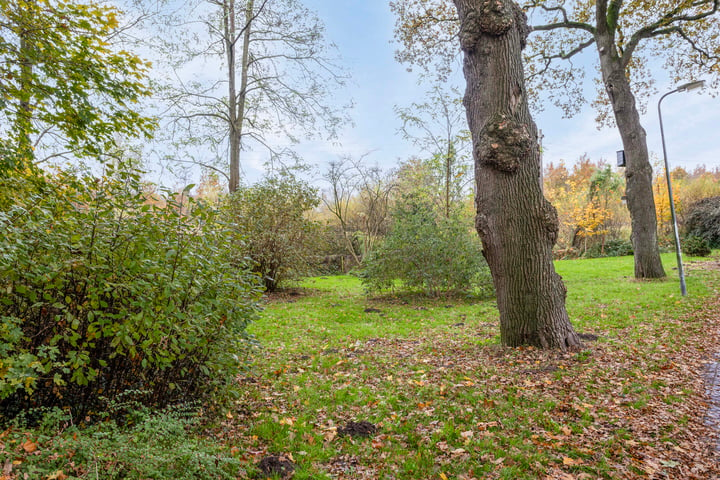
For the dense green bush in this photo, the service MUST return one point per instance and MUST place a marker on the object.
(103, 290)
(696, 246)
(703, 220)
(425, 252)
(271, 214)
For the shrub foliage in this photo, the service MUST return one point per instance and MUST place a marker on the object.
(703, 220)
(278, 237)
(103, 291)
(427, 252)
(696, 246)
(611, 248)
(158, 445)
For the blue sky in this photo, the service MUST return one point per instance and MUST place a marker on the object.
(363, 32)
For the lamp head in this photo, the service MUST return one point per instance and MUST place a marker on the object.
(691, 86)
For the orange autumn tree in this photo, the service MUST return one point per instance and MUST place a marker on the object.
(662, 203)
(588, 200)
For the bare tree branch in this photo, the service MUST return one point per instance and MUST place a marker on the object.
(664, 26)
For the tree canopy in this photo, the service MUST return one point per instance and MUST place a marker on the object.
(65, 87)
(683, 34)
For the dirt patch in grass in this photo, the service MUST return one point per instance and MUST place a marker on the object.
(278, 466)
(710, 264)
(357, 429)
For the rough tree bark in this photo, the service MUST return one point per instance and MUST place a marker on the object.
(517, 225)
(638, 173)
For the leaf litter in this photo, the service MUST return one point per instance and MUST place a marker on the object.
(453, 404)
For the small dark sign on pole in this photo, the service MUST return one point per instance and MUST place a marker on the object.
(621, 158)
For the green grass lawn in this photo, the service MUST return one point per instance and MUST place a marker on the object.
(449, 402)
(445, 399)
(602, 293)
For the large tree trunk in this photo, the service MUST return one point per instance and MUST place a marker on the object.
(517, 225)
(638, 173)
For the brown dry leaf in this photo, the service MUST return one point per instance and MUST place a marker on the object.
(59, 475)
(330, 433)
(287, 421)
(29, 446)
(308, 438)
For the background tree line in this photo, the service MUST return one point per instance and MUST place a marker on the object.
(362, 215)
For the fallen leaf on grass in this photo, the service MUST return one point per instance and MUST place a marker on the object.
(287, 421)
(59, 475)
(330, 433)
(487, 425)
(308, 438)
(29, 446)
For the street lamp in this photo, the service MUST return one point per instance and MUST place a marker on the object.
(682, 88)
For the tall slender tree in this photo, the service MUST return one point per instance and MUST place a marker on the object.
(267, 77)
(683, 32)
(438, 127)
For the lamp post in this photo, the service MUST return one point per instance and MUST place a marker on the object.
(682, 88)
